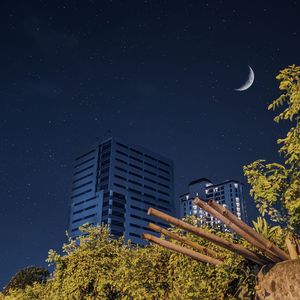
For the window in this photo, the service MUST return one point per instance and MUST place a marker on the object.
(135, 166)
(82, 170)
(135, 174)
(133, 234)
(164, 163)
(80, 194)
(89, 216)
(90, 207)
(150, 157)
(163, 177)
(134, 225)
(136, 159)
(135, 216)
(83, 177)
(136, 151)
(120, 177)
(134, 191)
(150, 180)
(165, 171)
(149, 196)
(122, 153)
(149, 172)
(136, 199)
(82, 185)
(150, 188)
(84, 162)
(117, 223)
(163, 193)
(150, 165)
(162, 200)
(121, 169)
(134, 182)
(86, 154)
(122, 145)
(164, 185)
(119, 185)
(86, 200)
(121, 161)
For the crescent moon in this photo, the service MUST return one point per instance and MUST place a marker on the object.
(248, 83)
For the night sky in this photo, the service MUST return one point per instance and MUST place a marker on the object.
(160, 74)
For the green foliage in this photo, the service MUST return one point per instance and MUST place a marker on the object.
(276, 186)
(27, 276)
(274, 233)
(96, 266)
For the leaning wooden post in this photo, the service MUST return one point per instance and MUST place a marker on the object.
(179, 249)
(210, 236)
(260, 238)
(291, 248)
(182, 239)
(202, 204)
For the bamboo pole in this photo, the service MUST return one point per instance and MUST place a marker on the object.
(179, 249)
(210, 236)
(259, 237)
(182, 239)
(235, 228)
(291, 248)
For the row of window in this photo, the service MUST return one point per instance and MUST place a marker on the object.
(139, 184)
(140, 169)
(84, 201)
(151, 204)
(86, 217)
(139, 192)
(147, 220)
(82, 185)
(85, 209)
(141, 227)
(84, 162)
(141, 177)
(141, 161)
(146, 155)
(85, 169)
(82, 193)
(83, 177)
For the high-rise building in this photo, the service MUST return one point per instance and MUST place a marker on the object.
(228, 193)
(115, 183)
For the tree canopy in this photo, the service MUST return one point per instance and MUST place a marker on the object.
(96, 266)
(276, 186)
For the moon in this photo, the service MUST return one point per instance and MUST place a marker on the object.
(248, 83)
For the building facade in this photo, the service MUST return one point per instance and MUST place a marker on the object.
(228, 193)
(115, 183)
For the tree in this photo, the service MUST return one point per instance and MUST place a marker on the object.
(96, 266)
(276, 186)
(27, 277)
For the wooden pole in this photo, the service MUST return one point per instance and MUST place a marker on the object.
(210, 236)
(182, 239)
(179, 249)
(259, 237)
(235, 228)
(291, 248)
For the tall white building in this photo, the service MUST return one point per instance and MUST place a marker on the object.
(115, 183)
(228, 193)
